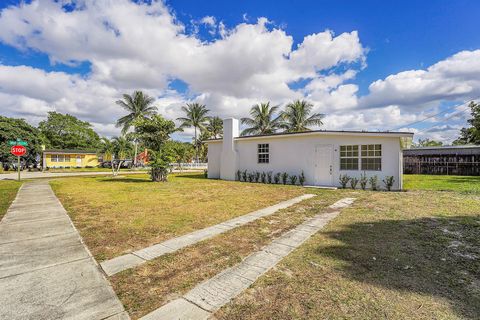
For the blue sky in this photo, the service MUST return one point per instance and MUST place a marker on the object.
(370, 41)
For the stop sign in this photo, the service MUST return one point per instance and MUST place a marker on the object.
(18, 150)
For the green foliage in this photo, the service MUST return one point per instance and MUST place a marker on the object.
(214, 127)
(293, 179)
(344, 180)
(251, 177)
(196, 117)
(138, 105)
(122, 148)
(183, 151)
(269, 177)
(388, 181)
(64, 131)
(276, 178)
(160, 163)
(257, 176)
(374, 183)
(284, 178)
(471, 135)
(13, 129)
(244, 175)
(297, 118)
(205, 173)
(363, 181)
(354, 182)
(262, 120)
(238, 175)
(263, 177)
(428, 143)
(154, 132)
(301, 178)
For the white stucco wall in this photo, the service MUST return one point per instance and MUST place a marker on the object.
(292, 154)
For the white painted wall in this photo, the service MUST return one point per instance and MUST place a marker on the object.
(294, 153)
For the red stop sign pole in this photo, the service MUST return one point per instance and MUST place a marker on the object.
(18, 151)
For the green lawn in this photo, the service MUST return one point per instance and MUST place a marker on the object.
(118, 215)
(8, 191)
(464, 184)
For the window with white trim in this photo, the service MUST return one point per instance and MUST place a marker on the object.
(263, 153)
(371, 157)
(349, 157)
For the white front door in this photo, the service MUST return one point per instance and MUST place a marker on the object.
(324, 165)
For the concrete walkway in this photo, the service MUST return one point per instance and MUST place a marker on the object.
(138, 257)
(46, 272)
(203, 300)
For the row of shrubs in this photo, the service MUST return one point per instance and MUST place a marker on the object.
(364, 181)
(269, 177)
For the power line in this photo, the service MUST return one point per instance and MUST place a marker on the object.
(429, 117)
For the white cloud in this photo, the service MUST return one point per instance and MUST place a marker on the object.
(144, 46)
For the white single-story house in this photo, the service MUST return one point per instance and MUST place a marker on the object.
(323, 155)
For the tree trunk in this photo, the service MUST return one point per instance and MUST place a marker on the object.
(135, 157)
(196, 145)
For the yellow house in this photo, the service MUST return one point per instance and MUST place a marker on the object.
(69, 159)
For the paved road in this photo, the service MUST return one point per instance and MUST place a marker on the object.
(46, 272)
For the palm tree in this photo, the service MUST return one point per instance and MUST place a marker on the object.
(214, 127)
(297, 118)
(262, 120)
(138, 105)
(196, 117)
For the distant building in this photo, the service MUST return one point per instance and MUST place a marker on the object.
(55, 158)
(447, 160)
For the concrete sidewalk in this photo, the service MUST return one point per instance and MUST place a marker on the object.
(46, 174)
(46, 272)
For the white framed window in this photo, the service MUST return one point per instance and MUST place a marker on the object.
(349, 157)
(371, 155)
(263, 153)
(67, 158)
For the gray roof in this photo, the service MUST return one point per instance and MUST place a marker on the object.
(444, 150)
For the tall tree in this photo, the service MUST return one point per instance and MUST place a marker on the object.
(428, 143)
(13, 129)
(214, 127)
(196, 117)
(471, 135)
(297, 117)
(262, 120)
(64, 131)
(138, 105)
(154, 134)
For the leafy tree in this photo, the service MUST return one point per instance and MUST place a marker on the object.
(138, 105)
(201, 146)
(428, 143)
(107, 149)
(64, 131)
(182, 151)
(214, 127)
(196, 117)
(262, 120)
(13, 129)
(297, 118)
(154, 133)
(471, 135)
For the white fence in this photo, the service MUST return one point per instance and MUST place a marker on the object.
(186, 166)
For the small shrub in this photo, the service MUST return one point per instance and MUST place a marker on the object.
(284, 178)
(205, 173)
(344, 180)
(257, 176)
(374, 183)
(363, 181)
(239, 175)
(251, 177)
(353, 182)
(293, 179)
(388, 181)
(276, 178)
(301, 178)
(245, 175)
(269, 177)
(263, 177)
